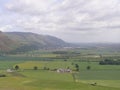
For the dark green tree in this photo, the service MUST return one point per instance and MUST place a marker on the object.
(16, 67)
(35, 68)
(88, 67)
(77, 67)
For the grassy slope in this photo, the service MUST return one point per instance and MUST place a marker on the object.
(6, 43)
(31, 41)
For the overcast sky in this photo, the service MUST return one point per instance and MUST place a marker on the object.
(70, 20)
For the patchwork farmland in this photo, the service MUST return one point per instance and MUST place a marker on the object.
(39, 72)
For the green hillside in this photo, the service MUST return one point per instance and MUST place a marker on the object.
(14, 42)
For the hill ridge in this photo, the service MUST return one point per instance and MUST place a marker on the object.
(27, 41)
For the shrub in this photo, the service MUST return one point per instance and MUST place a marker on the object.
(2, 75)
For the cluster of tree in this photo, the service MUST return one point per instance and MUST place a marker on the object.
(60, 52)
(2, 75)
(46, 68)
(17, 67)
(77, 67)
(35, 68)
(109, 62)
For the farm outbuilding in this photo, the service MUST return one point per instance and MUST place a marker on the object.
(9, 70)
(64, 70)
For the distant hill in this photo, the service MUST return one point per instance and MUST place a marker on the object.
(113, 47)
(25, 41)
(6, 44)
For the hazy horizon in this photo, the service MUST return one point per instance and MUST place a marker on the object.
(78, 21)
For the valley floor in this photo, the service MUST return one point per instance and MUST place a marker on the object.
(45, 80)
(29, 79)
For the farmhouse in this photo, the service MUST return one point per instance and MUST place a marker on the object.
(64, 70)
(9, 70)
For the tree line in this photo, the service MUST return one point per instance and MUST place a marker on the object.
(109, 62)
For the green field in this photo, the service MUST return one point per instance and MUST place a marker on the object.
(7, 64)
(49, 64)
(27, 78)
(106, 77)
(44, 80)
(98, 75)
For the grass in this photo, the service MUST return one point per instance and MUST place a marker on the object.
(22, 58)
(106, 76)
(43, 80)
(96, 66)
(98, 75)
(64, 64)
(7, 64)
(107, 83)
(48, 64)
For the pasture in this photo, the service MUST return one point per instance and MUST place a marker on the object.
(46, 80)
(106, 77)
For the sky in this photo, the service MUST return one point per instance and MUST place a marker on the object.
(79, 21)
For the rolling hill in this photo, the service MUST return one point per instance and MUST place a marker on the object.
(25, 41)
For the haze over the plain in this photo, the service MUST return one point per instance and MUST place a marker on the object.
(70, 20)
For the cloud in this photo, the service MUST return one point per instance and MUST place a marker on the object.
(6, 28)
(84, 19)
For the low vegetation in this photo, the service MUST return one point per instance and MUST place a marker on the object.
(110, 62)
(37, 70)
